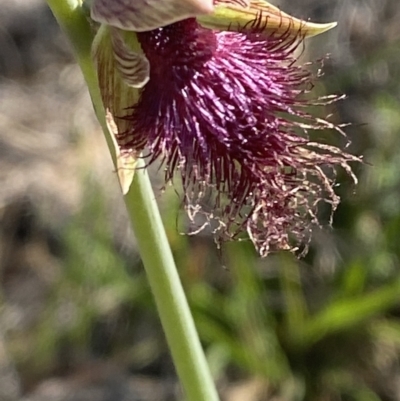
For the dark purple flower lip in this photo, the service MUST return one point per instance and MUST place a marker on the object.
(227, 111)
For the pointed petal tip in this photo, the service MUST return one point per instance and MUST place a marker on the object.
(313, 29)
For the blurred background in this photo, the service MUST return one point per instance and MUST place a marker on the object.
(77, 319)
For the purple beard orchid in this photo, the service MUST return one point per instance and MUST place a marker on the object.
(212, 89)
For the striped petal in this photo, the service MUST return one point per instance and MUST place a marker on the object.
(145, 15)
(261, 16)
(121, 70)
(133, 67)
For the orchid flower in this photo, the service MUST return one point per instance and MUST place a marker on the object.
(214, 92)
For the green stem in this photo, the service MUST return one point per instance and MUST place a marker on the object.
(154, 249)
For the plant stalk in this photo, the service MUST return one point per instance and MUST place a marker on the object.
(173, 308)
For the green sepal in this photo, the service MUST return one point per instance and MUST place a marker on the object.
(117, 97)
(261, 14)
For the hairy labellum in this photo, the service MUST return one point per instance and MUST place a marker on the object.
(226, 109)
